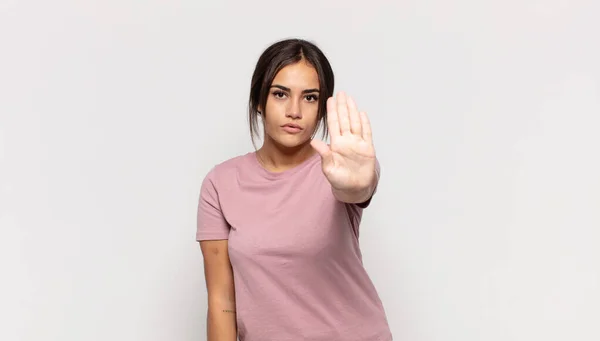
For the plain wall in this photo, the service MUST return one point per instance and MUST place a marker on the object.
(486, 119)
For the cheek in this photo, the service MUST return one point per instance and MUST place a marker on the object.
(276, 116)
(310, 114)
(273, 121)
(271, 114)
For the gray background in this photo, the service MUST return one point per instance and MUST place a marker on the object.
(485, 114)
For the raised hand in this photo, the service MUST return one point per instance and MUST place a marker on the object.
(349, 161)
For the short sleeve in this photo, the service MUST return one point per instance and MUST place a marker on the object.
(211, 224)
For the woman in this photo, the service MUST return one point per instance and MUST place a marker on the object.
(278, 227)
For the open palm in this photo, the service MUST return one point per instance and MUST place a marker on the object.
(349, 161)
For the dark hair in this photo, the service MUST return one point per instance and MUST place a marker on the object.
(276, 57)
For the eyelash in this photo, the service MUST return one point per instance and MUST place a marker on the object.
(278, 93)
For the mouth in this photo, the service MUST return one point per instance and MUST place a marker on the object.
(292, 128)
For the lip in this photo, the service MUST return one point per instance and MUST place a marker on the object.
(291, 128)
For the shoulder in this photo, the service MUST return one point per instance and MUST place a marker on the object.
(231, 163)
(224, 170)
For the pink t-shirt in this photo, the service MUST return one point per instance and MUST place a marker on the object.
(294, 250)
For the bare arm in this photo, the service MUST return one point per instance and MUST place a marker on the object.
(221, 317)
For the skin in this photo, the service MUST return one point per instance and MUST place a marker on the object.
(348, 162)
(290, 101)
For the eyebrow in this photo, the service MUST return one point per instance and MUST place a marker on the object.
(288, 89)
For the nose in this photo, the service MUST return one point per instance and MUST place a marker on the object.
(293, 110)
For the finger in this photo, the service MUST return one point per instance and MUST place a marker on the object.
(322, 148)
(342, 110)
(332, 119)
(355, 120)
(367, 135)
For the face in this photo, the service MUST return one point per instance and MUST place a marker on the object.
(292, 105)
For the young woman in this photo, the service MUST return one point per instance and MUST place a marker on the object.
(278, 227)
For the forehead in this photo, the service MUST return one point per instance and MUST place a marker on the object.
(297, 75)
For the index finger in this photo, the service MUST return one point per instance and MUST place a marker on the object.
(332, 119)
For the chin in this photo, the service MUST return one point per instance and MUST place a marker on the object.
(290, 142)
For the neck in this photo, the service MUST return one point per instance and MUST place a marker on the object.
(278, 158)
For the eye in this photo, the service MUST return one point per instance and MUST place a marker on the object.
(312, 98)
(278, 94)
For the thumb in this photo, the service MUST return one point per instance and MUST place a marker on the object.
(322, 148)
